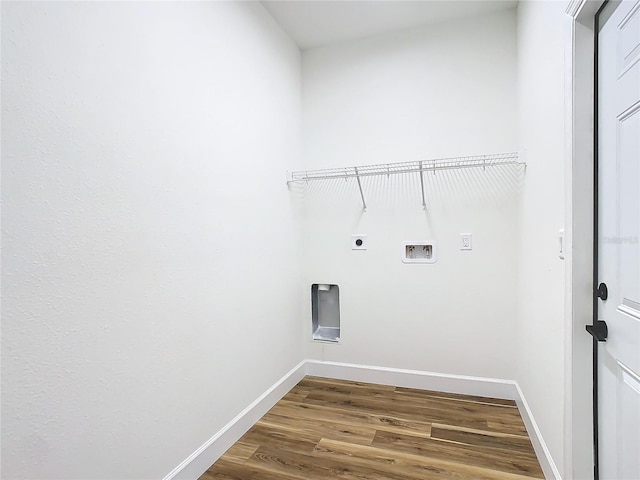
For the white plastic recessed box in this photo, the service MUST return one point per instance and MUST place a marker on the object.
(421, 251)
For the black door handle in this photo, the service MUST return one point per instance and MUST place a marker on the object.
(598, 330)
(603, 291)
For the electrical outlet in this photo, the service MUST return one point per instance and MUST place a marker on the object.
(465, 241)
(358, 242)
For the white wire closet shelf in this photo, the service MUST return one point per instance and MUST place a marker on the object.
(419, 166)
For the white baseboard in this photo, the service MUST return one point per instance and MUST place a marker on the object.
(542, 451)
(199, 461)
(485, 387)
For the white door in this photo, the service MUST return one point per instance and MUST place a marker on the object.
(619, 239)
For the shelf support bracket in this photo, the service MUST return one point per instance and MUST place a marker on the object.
(424, 203)
(364, 205)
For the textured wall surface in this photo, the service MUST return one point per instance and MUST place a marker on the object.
(155, 276)
(149, 267)
(436, 92)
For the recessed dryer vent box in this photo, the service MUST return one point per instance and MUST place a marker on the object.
(325, 312)
(419, 252)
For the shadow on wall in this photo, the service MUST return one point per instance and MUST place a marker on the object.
(477, 188)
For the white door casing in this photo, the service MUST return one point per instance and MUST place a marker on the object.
(619, 239)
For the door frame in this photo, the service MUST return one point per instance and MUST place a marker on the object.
(580, 441)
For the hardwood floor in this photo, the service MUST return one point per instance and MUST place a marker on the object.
(334, 429)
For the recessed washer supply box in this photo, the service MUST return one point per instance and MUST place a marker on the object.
(422, 251)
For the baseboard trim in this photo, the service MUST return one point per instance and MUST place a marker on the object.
(199, 461)
(539, 446)
(486, 387)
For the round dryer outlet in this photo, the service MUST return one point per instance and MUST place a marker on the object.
(358, 242)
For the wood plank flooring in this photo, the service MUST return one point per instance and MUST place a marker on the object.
(334, 429)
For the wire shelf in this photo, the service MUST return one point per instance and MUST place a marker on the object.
(419, 166)
(453, 163)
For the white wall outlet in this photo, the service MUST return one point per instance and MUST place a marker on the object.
(359, 242)
(465, 241)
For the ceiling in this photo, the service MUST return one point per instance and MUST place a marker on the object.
(315, 23)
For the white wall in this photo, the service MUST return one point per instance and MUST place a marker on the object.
(147, 298)
(541, 281)
(442, 91)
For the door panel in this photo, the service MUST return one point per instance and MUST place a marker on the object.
(618, 238)
(629, 407)
(629, 49)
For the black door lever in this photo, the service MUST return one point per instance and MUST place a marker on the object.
(598, 330)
